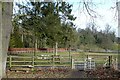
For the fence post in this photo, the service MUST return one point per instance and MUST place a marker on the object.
(10, 61)
(53, 60)
(116, 64)
(72, 63)
(33, 61)
(110, 60)
(90, 63)
(85, 64)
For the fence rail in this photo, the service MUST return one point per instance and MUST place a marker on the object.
(32, 61)
(27, 61)
(52, 61)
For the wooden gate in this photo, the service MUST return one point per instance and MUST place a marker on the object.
(86, 64)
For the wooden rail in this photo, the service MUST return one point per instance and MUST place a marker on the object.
(37, 61)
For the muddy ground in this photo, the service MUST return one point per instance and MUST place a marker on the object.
(64, 73)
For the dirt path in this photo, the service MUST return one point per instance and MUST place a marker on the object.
(65, 73)
(78, 74)
(48, 74)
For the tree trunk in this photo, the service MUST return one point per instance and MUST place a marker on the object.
(53, 50)
(36, 44)
(5, 30)
(22, 38)
(1, 41)
(118, 7)
(69, 51)
(56, 47)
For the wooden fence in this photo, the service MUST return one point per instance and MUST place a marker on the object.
(48, 61)
(38, 61)
(42, 60)
(38, 49)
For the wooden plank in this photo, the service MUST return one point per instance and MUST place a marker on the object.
(62, 65)
(98, 54)
(21, 61)
(79, 61)
(20, 57)
(42, 65)
(21, 65)
(65, 61)
(42, 61)
(50, 65)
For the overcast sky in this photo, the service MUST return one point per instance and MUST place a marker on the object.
(106, 14)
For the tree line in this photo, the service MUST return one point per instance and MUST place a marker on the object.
(91, 39)
(50, 25)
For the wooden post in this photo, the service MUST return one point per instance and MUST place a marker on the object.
(10, 61)
(85, 64)
(110, 61)
(33, 61)
(72, 63)
(53, 61)
(90, 63)
(116, 64)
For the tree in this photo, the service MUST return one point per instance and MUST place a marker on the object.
(15, 39)
(87, 38)
(44, 20)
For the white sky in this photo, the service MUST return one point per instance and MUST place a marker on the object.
(103, 8)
